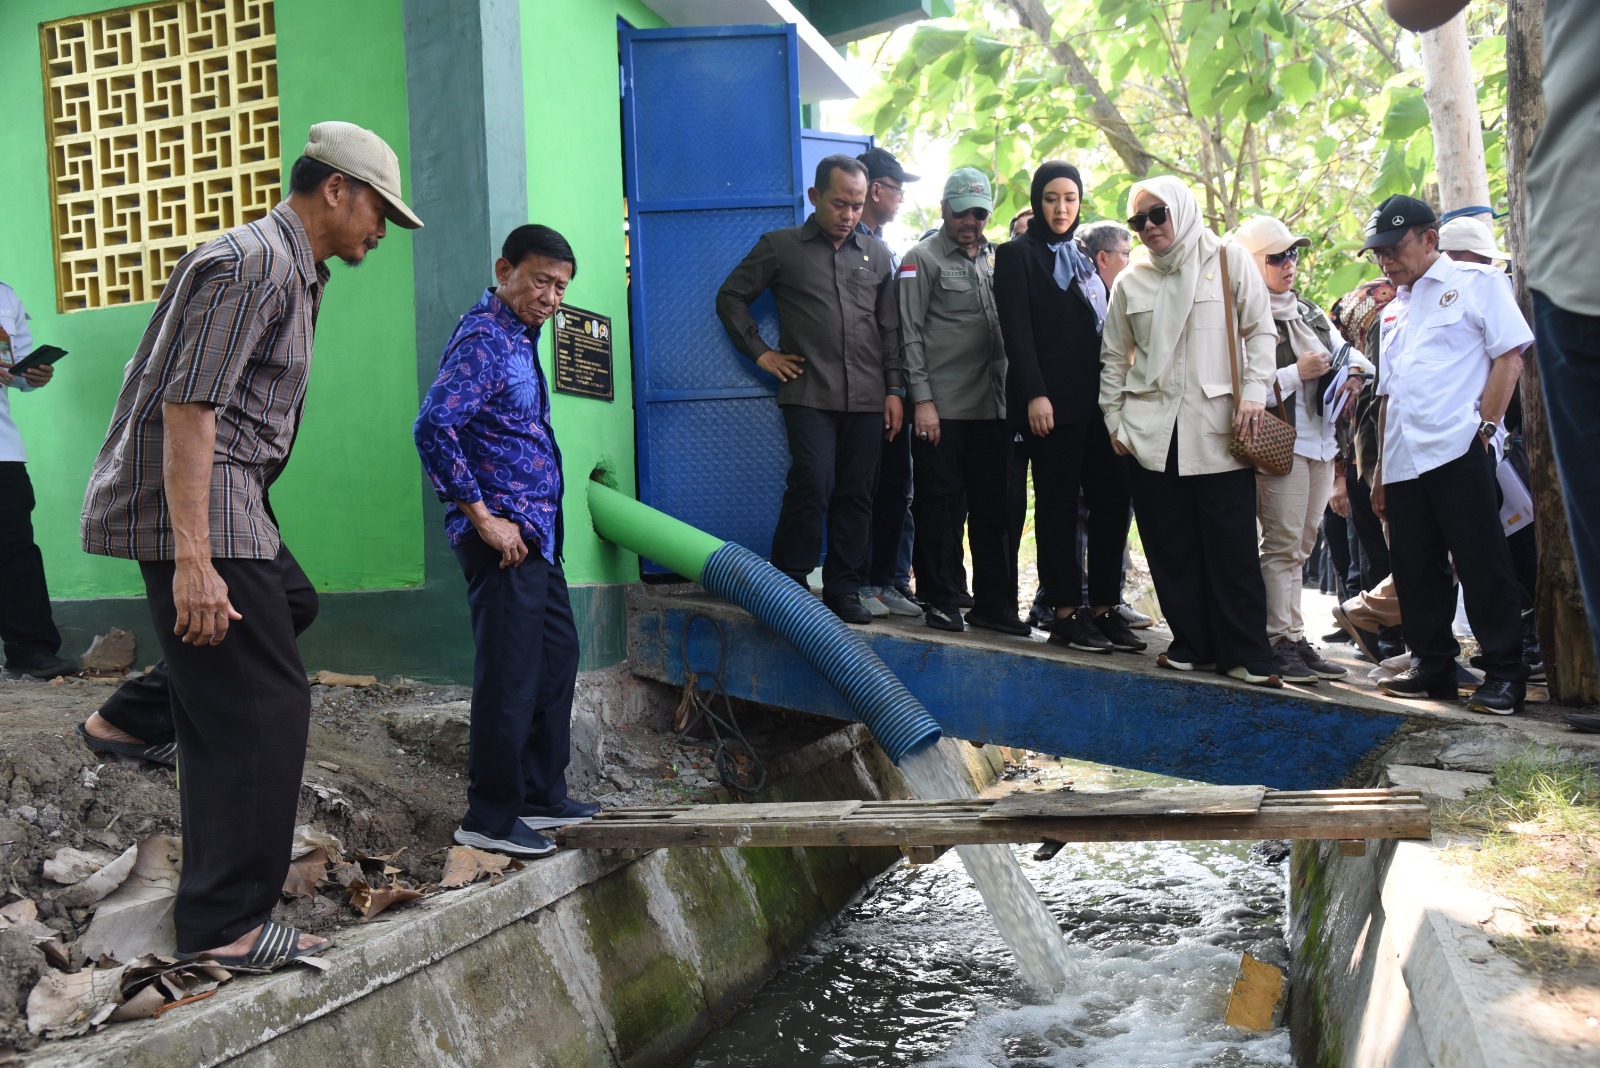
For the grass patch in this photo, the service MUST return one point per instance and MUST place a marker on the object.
(1537, 831)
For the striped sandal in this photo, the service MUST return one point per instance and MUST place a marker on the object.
(275, 946)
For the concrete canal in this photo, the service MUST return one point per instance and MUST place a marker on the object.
(915, 972)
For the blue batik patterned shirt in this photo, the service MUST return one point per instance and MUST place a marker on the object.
(484, 430)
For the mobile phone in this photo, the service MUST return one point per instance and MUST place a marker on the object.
(43, 356)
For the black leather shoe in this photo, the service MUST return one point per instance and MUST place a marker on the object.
(988, 621)
(944, 617)
(1363, 639)
(46, 667)
(849, 608)
(1414, 682)
(1498, 697)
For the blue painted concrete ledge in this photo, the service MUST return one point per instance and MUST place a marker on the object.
(1120, 710)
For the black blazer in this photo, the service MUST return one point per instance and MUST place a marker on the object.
(1052, 341)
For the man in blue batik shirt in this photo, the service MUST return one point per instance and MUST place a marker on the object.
(487, 445)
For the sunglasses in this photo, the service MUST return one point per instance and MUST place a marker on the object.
(979, 214)
(1157, 215)
(1278, 259)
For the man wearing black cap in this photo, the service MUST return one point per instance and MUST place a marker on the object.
(888, 588)
(1451, 345)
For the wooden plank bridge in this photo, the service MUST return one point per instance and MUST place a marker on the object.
(1052, 817)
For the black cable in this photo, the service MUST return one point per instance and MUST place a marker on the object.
(738, 766)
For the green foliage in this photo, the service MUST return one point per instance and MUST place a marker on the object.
(1311, 110)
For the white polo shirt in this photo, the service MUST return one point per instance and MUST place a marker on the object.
(1440, 337)
(14, 318)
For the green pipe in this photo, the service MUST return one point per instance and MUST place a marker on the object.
(671, 543)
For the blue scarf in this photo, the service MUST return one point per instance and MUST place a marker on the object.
(1070, 263)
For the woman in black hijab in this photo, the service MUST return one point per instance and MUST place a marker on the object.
(1052, 303)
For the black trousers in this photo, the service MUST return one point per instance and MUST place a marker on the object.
(1369, 532)
(833, 470)
(26, 626)
(961, 483)
(1074, 457)
(142, 705)
(522, 680)
(1452, 513)
(1199, 534)
(241, 711)
(892, 524)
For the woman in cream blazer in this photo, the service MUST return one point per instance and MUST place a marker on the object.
(1166, 389)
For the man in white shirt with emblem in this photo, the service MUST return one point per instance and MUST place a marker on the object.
(1451, 348)
(26, 626)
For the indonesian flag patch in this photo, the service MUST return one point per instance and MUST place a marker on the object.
(907, 270)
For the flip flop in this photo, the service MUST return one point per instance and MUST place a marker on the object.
(155, 754)
(275, 946)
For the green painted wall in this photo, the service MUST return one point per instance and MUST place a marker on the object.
(348, 502)
(574, 148)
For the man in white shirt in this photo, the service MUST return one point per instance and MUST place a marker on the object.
(1451, 352)
(29, 632)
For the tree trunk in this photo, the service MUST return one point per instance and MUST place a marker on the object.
(1102, 112)
(1563, 627)
(1453, 108)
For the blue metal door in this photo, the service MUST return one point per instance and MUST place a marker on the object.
(711, 149)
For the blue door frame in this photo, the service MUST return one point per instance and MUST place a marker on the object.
(712, 156)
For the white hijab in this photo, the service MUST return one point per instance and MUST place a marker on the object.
(1174, 274)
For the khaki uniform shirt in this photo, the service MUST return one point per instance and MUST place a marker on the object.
(836, 310)
(1194, 396)
(951, 346)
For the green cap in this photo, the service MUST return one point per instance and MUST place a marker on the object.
(968, 188)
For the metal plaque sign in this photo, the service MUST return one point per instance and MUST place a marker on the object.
(583, 353)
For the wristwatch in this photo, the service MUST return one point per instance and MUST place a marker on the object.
(1488, 430)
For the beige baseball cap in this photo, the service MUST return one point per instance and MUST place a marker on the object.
(1467, 233)
(1266, 235)
(363, 155)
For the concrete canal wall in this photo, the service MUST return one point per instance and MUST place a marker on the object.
(1393, 961)
(582, 959)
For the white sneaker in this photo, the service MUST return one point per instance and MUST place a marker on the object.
(897, 602)
(873, 602)
(1135, 619)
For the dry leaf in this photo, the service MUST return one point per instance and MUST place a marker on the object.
(64, 1004)
(345, 873)
(143, 1005)
(463, 865)
(23, 915)
(137, 918)
(98, 885)
(70, 865)
(305, 874)
(335, 678)
(307, 838)
(370, 901)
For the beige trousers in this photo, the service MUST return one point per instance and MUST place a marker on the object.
(1290, 508)
(1377, 607)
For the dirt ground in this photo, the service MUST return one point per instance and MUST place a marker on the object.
(381, 775)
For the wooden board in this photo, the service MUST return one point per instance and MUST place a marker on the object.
(1146, 801)
(798, 810)
(1336, 814)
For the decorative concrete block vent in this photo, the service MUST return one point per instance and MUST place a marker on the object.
(163, 130)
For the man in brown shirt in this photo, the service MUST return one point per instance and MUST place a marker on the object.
(839, 364)
(208, 411)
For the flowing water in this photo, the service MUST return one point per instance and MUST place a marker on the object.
(916, 973)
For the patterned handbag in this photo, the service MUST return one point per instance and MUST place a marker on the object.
(1271, 452)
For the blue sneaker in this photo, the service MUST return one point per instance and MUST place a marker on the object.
(543, 817)
(521, 842)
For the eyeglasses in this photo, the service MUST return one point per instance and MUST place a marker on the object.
(899, 190)
(980, 214)
(1382, 255)
(1278, 259)
(1156, 215)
